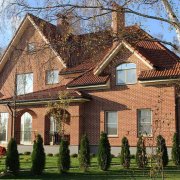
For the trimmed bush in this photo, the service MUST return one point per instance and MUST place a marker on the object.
(64, 156)
(125, 153)
(2, 151)
(12, 157)
(162, 154)
(50, 154)
(27, 153)
(176, 150)
(141, 156)
(104, 152)
(38, 156)
(74, 155)
(84, 153)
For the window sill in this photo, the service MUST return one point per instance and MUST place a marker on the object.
(51, 83)
(126, 84)
(113, 136)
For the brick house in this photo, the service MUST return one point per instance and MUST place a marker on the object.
(126, 87)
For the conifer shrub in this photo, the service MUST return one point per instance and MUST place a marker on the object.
(84, 153)
(104, 152)
(12, 157)
(141, 156)
(38, 156)
(162, 154)
(125, 153)
(64, 156)
(176, 150)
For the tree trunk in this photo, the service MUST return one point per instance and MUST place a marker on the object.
(172, 17)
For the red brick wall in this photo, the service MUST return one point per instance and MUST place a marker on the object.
(126, 100)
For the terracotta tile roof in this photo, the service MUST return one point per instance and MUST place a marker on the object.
(170, 73)
(47, 94)
(87, 79)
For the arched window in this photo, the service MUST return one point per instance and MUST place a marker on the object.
(126, 74)
(26, 128)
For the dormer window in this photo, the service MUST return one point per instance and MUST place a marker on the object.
(52, 77)
(31, 47)
(126, 74)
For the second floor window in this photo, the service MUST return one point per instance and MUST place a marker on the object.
(31, 47)
(52, 77)
(24, 83)
(126, 74)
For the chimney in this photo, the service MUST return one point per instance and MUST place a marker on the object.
(118, 19)
(67, 24)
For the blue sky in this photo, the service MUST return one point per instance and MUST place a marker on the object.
(151, 26)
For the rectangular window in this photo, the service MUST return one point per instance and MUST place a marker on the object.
(3, 127)
(52, 77)
(145, 122)
(31, 47)
(111, 123)
(24, 83)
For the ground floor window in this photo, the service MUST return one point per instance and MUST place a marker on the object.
(111, 123)
(144, 122)
(3, 127)
(26, 128)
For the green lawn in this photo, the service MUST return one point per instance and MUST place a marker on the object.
(116, 171)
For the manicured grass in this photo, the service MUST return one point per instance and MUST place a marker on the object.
(116, 171)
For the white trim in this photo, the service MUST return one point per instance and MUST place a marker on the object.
(46, 40)
(91, 86)
(142, 58)
(157, 81)
(107, 59)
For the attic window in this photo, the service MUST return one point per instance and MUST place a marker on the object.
(31, 47)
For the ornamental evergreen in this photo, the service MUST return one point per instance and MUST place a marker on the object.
(38, 156)
(104, 152)
(176, 150)
(12, 157)
(141, 156)
(84, 153)
(125, 153)
(162, 154)
(64, 156)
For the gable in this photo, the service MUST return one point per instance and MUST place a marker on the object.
(22, 28)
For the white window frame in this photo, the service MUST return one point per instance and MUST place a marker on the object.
(5, 142)
(22, 141)
(138, 119)
(50, 71)
(31, 47)
(22, 92)
(106, 124)
(125, 74)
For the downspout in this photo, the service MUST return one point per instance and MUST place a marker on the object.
(12, 120)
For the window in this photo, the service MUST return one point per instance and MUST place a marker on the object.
(31, 47)
(145, 122)
(126, 74)
(26, 128)
(24, 83)
(111, 123)
(3, 127)
(52, 77)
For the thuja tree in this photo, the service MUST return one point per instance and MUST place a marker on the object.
(125, 153)
(64, 156)
(12, 157)
(38, 156)
(141, 156)
(162, 154)
(176, 150)
(84, 153)
(104, 152)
